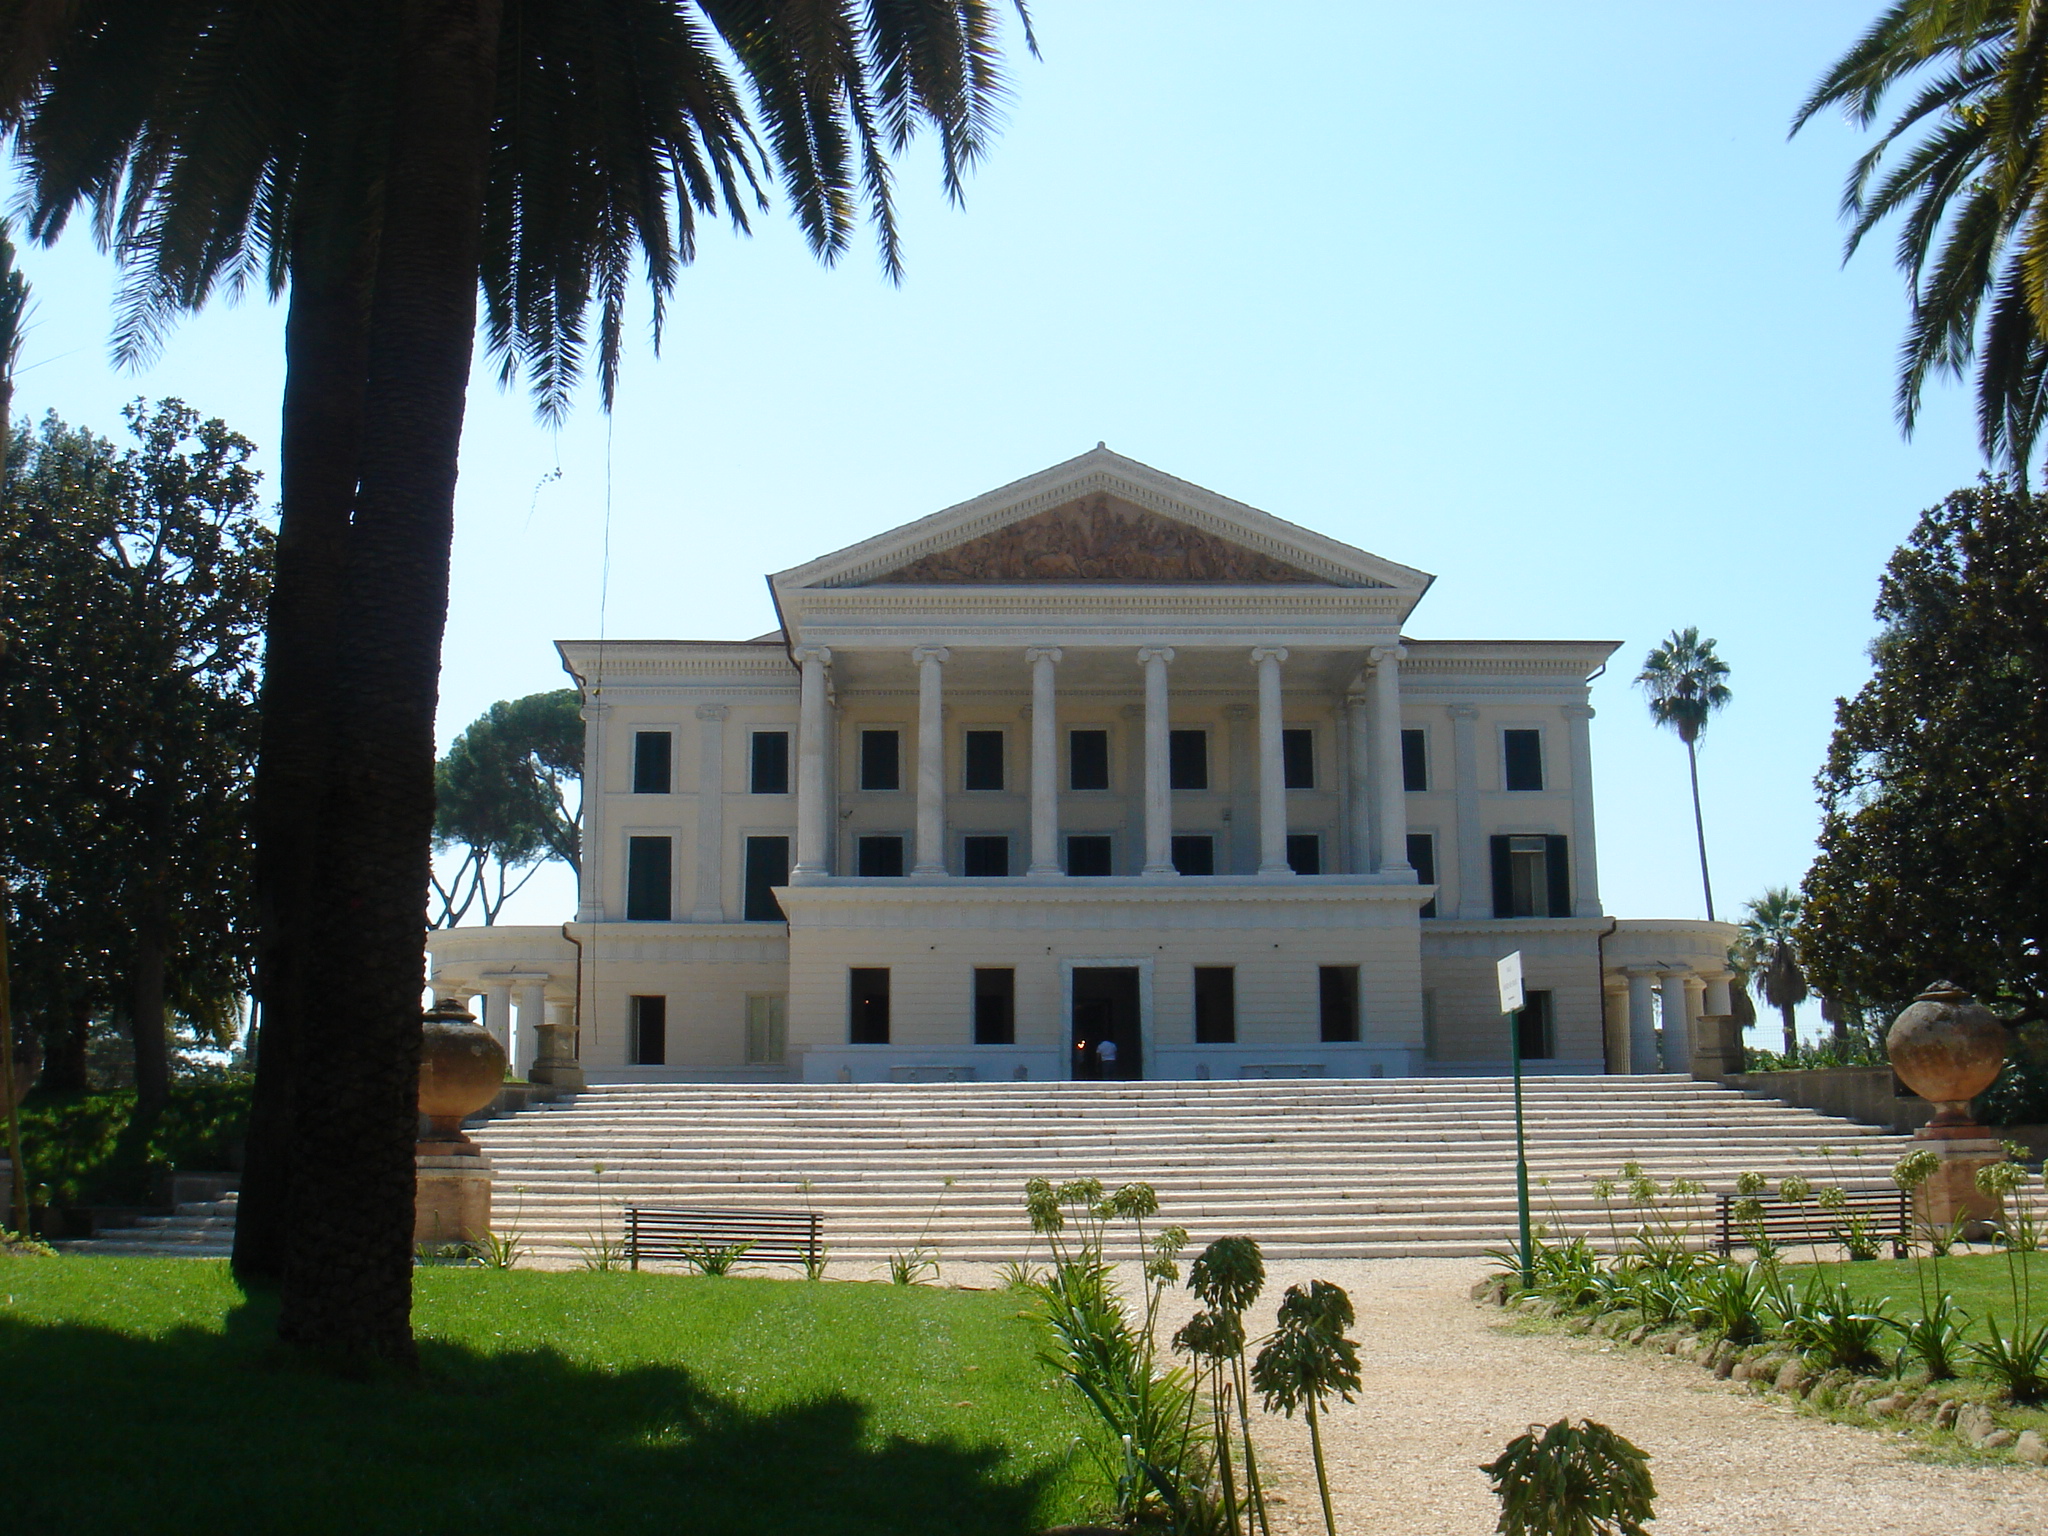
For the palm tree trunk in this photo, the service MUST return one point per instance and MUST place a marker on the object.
(326, 337)
(1791, 1032)
(1699, 825)
(348, 1267)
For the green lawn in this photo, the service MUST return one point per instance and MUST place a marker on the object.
(1980, 1282)
(143, 1395)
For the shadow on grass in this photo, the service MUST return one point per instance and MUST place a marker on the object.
(198, 1431)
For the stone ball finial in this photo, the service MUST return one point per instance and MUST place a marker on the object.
(1948, 1048)
(461, 1069)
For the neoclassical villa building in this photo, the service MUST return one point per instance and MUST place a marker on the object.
(1099, 775)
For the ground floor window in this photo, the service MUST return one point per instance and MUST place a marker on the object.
(1305, 853)
(878, 855)
(995, 1005)
(1194, 853)
(767, 866)
(647, 1031)
(1534, 1027)
(985, 856)
(1338, 986)
(1088, 853)
(1215, 1004)
(767, 1029)
(867, 1005)
(648, 862)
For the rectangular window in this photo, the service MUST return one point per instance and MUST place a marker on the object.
(1534, 1033)
(1523, 762)
(1088, 854)
(1422, 854)
(767, 866)
(1415, 761)
(867, 1005)
(648, 861)
(769, 770)
(881, 760)
(1194, 853)
(985, 856)
(878, 856)
(767, 1029)
(1087, 759)
(1338, 987)
(1305, 853)
(1531, 877)
(984, 760)
(995, 1006)
(647, 1031)
(1298, 758)
(650, 762)
(1187, 759)
(1215, 1004)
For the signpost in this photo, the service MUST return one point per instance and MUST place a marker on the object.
(1509, 973)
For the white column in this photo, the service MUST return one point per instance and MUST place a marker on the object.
(1158, 785)
(931, 760)
(709, 906)
(1642, 1020)
(532, 1011)
(1475, 875)
(1585, 865)
(1272, 767)
(1045, 762)
(498, 1013)
(1364, 855)
(813, 856)
(1677, 1023)
(1386, 759)
(590, 874)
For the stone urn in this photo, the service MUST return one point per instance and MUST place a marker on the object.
(461, 1070)
(1948, 1048)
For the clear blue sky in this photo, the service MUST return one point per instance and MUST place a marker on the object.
(1535, 297)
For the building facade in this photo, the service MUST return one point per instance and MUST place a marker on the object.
(1099, 775)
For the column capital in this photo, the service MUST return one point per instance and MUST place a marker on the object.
(1265, 653)
(1674, 972)
(822, 654)
(1579, 711)
(1151, 653)
(1037, 653)
(1464, 711)
(713, 711)
(1378, 655)
(924, 653)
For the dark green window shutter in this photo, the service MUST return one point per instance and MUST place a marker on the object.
(1503, 879)
(648, 861)
(1559, 870)
(767, 866)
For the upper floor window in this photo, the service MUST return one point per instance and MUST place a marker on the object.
(1523, 759)
(766, 866)
(649, 861)
(983, 760)
(1422, 854)
(1305, 853)
(1298, 758)
(768, 773)
(878, 855)
(985, 856)
(1194, 853)
(881, 760)
(1415, 762)
(1530, 877)
(1187, 759)
(650, 762)
(1088, 759)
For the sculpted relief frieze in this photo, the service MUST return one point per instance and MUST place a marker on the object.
(1099, 538)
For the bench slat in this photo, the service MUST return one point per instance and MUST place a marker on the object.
(1807, 1221)
(773, 1237)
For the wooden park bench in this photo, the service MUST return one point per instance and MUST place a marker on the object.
(1888, 1212)
(680, 1233)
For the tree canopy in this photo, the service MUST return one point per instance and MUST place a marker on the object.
(132, 585)
(501, 799)
(1934, 797)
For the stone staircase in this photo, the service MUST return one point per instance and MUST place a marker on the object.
(1314, 1169)
(198, 1229)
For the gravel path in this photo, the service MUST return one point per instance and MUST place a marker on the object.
(1446, 1388)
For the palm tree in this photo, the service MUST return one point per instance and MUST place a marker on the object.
(1684, 679)
(385, 161)
(1767, 952)
(1970, 182)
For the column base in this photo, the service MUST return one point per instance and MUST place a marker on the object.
(1156, 870)
(1275, 871)
(451, 1200)
(558, 1074)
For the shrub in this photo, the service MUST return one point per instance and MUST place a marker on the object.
(1572, 1480)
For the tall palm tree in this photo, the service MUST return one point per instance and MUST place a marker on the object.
(1767, 951)
(386, 161)
(1685, 683)
(1964, 163)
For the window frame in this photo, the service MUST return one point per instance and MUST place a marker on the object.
(754, 739)
(1002, 763)
(667, 738)
(860, 764)
(1305, 737)
(858, 1024)
(637, 888)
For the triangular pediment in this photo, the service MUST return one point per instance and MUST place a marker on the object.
(1101, 537)
(1102, 518)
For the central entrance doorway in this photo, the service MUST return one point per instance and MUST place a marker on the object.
(1108, 1042)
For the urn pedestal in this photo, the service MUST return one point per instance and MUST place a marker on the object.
(461, 1070)
(1948, 1048)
